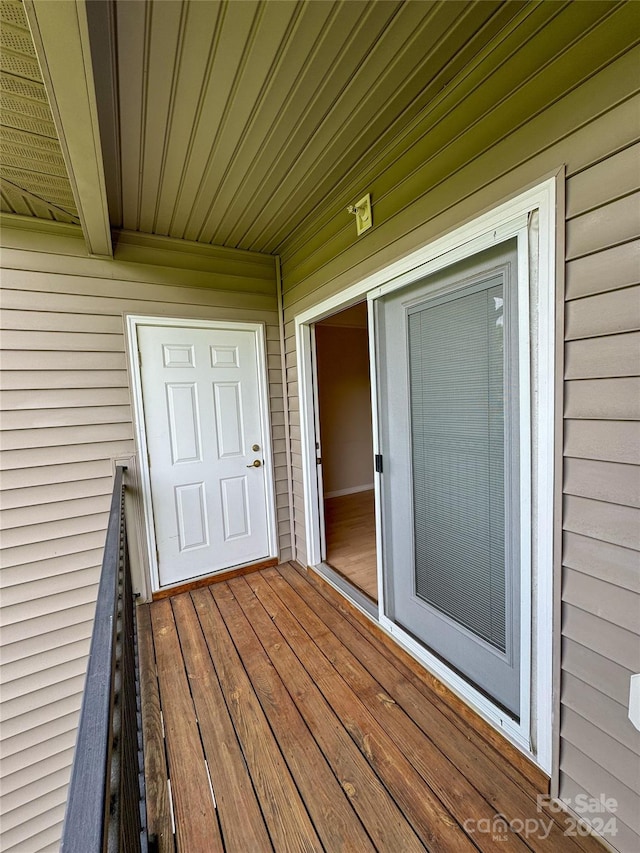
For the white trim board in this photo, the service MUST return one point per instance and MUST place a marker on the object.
(534, 733)
(351, 491)
(133, 322)
(61, 38)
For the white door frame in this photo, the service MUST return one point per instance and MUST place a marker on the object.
(319, 465)
(534, 732)
(133, 321)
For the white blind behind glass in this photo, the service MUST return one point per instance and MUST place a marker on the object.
(456, 358)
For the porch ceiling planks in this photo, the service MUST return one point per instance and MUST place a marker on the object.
(237, 120)
(318, 734)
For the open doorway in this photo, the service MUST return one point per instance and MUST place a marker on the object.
(345, 438)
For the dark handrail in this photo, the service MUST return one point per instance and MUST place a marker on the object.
(105, 808)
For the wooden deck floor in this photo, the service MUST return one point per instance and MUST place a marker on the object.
(286, 722)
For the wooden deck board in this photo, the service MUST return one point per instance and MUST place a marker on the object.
(385, 823)
(413, 677)
(243, 826)
(286, 817)
(195, 816)
(436, 769)
(155, 759)
(485, 781)
(464, 753)
(430, 820)
(336, 823)
(504, 775)
(320, 735)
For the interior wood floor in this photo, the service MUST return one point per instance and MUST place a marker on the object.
(350, 529)
(286, 721)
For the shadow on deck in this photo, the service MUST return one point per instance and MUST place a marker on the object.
(285, 721)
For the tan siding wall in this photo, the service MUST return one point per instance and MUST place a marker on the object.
(600, 749)
(501, 128)
(66, 416)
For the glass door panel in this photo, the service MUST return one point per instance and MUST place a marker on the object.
(448, 351)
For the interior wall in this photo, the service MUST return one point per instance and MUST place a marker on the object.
(559, 94)
(344, 398)
(67, 415)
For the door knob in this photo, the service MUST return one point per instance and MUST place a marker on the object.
(255, 464)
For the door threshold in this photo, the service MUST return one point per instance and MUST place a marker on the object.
(355, 595)
(217, 577)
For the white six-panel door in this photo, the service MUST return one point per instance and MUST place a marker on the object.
(205, 442)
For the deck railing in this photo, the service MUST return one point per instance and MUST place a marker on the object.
(105, 805)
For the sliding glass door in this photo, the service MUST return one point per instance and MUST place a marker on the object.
(447, 349)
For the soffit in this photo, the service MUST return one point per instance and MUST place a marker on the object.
(237, 120)
(33, 177)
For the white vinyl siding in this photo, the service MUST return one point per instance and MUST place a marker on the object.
(66, 416)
